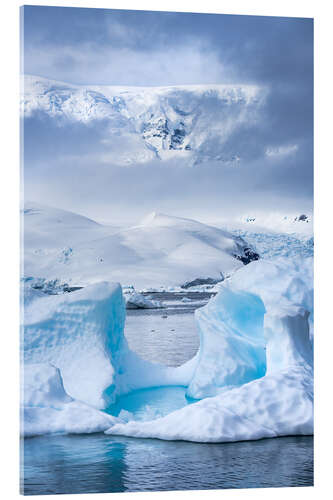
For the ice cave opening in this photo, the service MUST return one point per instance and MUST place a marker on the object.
(235, 323)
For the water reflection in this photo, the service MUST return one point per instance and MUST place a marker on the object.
(73, 464)
(99, 463)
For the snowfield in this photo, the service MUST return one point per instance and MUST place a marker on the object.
(161, 250)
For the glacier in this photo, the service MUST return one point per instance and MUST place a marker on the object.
(251, 378)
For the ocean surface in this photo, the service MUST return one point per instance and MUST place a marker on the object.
(103, 463)
(100, 463)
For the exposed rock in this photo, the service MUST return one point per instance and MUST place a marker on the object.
(248, 256)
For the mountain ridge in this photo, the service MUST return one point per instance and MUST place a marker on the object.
(187, 122)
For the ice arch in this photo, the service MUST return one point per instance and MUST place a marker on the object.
(254, 395)
(277, 404)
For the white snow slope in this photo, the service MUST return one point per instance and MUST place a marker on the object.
(162, 250)
(190, 123)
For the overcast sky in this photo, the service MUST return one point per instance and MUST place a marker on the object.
(96, 46)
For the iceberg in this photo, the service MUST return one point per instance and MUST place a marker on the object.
(252, 376)
(265, 307)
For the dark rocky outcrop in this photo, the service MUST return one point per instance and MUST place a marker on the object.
(248, 256)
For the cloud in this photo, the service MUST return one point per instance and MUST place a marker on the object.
(282, 150)
(87, 64)
(73, 167)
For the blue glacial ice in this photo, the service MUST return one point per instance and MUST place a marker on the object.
(253, 373)
(232, 343)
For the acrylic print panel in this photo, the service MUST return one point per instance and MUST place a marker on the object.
(168, 251)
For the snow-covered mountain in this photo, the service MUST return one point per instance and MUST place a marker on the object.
(48, 227)
(191, 123)
(161, 250)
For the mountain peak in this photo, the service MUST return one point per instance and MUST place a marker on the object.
(153, 217)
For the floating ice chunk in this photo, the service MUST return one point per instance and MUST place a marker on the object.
(135, 300)
(186, 300)
(47, 408)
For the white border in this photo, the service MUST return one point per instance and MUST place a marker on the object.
(9, 258)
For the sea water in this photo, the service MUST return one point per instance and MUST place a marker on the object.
(100, 463)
